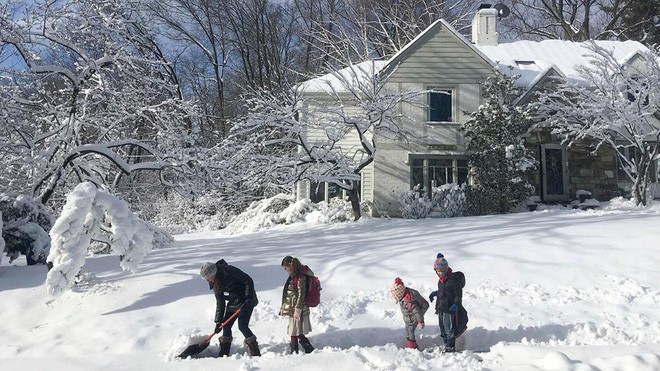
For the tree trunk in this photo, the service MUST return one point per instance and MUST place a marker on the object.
(355, 202)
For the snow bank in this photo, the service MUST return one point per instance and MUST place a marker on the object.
(284, 209)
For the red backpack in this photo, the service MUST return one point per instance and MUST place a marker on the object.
(313, 295)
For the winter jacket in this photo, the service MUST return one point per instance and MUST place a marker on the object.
(411, 309)
(450, 292)
(234, 286)
(293, 294)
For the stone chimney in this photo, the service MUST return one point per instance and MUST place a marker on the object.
(484, 26)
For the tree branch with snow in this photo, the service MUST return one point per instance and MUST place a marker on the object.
(613, 103)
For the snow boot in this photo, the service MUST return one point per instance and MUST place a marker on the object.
(225, 345)
(253, 346)
(306, 345)
(411, 344)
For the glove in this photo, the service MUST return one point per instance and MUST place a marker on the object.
(432, 296)
(297, 313)
(218, 327)
(420, 325)
(453, 308)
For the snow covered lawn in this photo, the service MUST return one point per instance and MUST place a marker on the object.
(555, 289)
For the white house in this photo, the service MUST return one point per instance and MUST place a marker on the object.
(442, 60)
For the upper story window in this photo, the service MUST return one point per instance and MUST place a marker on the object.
(441, 104)
(638, 90)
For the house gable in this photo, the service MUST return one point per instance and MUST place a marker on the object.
(439, 55)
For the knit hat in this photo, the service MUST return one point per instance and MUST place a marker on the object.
(398, 289)
(441, 263)
(208, 270)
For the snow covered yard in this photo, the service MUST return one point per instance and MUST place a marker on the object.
(555, 289)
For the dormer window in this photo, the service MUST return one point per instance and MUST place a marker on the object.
(441, 104)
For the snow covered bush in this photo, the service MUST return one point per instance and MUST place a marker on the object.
(177, 215)
(413, 205)
(284, 209)
(449, 200)
(25, 225)
(91, 214)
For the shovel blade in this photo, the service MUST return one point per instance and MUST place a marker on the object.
(193, 349)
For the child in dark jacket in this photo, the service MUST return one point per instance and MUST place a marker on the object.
(452, 317)
(412, 309)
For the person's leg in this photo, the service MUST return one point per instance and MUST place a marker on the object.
(450, 331)
(304, 327)
(411, 325)
(293, 345)
(226, 331)
(244, 322)
(443, 331)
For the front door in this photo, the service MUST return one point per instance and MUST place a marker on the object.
(554, 173)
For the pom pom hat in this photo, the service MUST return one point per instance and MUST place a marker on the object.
(398, 289)
(440, 263)
(208, 270)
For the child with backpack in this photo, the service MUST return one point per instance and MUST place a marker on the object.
(413, 306)
(301, 291)
(452, 317)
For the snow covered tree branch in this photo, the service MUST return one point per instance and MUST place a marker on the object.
(88, 87)
(614, 104)
(89, 214)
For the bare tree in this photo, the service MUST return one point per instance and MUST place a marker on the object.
(619, 107)
(575, 20)
(264, 41)
(198, 33)
(390, 25)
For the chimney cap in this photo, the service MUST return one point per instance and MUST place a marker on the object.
(484, 6)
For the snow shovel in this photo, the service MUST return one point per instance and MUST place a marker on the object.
(198, 348)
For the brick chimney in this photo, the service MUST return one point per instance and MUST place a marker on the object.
(484, 26)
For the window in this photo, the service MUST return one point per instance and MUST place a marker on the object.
(441, 106)
(433, 171)
(325, 191)
(639, 89)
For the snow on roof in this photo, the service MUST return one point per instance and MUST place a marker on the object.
(531, 59)
(337, 81)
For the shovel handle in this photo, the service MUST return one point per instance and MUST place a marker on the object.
(223, 324)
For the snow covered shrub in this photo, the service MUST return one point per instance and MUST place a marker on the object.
(335, 211)
(449, 200)
(93, 214)
(413, 205)
(177, 215)
(284, 209)
(25, 226)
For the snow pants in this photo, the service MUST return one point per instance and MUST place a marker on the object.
(447, 322)
(411, 325)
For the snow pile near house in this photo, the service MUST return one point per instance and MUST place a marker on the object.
(284, 209)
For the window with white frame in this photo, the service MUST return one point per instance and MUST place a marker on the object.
(441, 105)
(432, 171)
